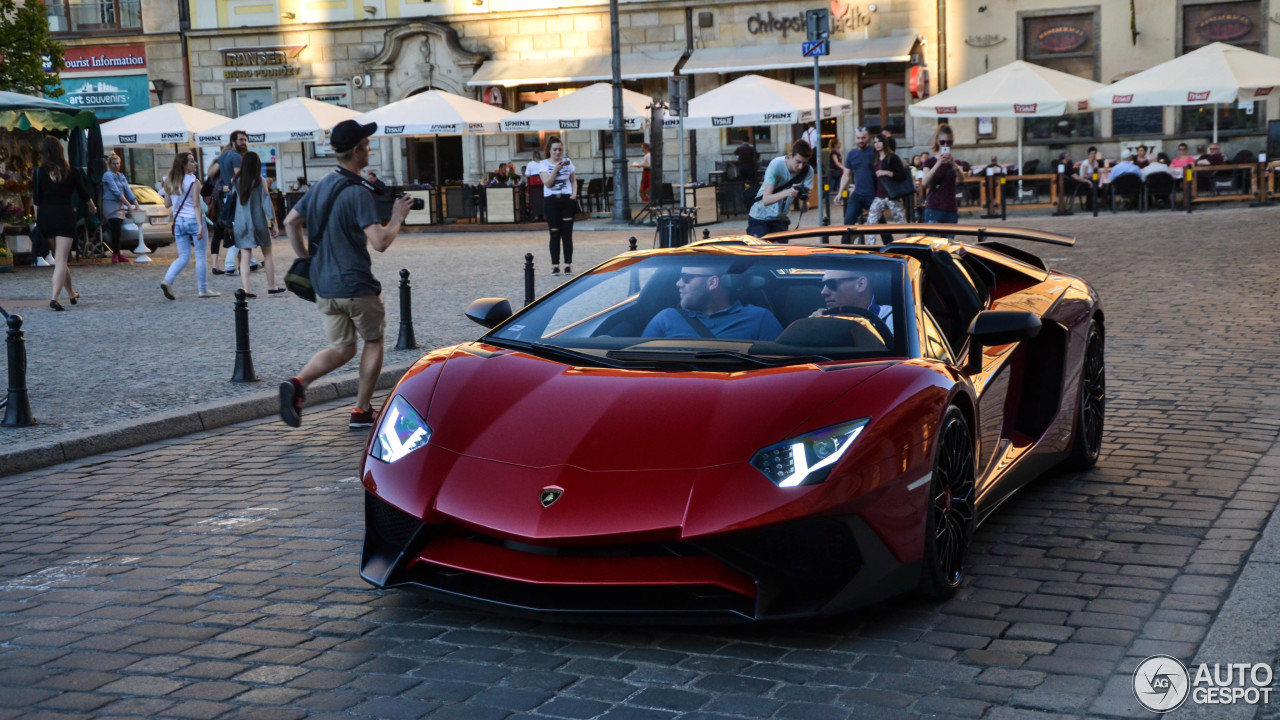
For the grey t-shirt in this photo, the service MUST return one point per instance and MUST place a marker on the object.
(228, 163)
(341, 267)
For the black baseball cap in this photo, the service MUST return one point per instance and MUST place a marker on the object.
(348, 133)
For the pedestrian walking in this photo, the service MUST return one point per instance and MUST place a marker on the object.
(645, 164)
(117, 199)
(560, 202)
(56, 182)
(342, 223)
(890, 176)
(228, 170)
(182, 196)
(255, 222)
(941, 175)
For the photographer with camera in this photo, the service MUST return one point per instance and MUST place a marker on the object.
(941, 174)
(788, 178)
(342, 222)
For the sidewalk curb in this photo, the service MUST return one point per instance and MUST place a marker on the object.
(176, 423)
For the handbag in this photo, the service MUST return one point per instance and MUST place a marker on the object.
(298, 279)
(897, 189)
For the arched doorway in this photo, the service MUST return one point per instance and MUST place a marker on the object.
(436, 159)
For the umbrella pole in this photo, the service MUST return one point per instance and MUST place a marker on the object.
(304, 164)
(1215, 122)
(1018, 129)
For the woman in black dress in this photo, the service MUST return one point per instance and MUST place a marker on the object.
(56, 182)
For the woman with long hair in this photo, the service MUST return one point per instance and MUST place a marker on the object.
(645, 164)
(56, 182)
(117, 200)
(941, 174)
(182, 195)
(832, 171)
(533, 186)
(254, 225)
(560, 194)
(888, 166)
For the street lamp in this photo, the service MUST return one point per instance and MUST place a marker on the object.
(157, 86)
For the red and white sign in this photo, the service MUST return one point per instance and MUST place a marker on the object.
(1028, 109)
(1121, 99)
(105, 59)
(919, 82)
(1082, 105)
(492, 96)
(946, 109)
(1197, 96)
(1262, 92)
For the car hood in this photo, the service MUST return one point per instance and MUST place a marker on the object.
(523, 410)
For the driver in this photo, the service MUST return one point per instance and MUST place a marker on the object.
(707, 309)
(851, 289)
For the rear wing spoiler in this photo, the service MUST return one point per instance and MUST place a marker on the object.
(981, 232)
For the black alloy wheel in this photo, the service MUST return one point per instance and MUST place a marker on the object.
(1086, 443)
(950, 515)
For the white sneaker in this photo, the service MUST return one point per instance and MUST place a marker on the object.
(40, 262)
(209, 293)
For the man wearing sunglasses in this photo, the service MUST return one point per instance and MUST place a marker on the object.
(859, 178)
(708, 310)
(851, 288)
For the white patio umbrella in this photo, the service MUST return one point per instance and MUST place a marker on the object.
(1019, 89)
(1211, 75)
(756, 100)
(590, 108)
(297, 119)
(161, 125)
(436, 113)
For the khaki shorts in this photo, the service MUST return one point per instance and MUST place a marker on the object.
(345, 319)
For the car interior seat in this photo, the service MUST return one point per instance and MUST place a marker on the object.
(656, 295)
(832, 331)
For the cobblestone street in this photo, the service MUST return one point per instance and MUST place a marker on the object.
(215, 575)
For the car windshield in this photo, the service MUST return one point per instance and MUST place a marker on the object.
(146, 196)
(719, 309)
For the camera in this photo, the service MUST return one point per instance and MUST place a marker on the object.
(416, 203)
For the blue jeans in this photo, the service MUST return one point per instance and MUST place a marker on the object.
(941, 216)
(186, 238)
(855, 205)
(760, 228)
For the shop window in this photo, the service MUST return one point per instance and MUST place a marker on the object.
(83, 16)
(1066, 43)
(882, 104)
(827, 84)
(634, 138)
(754, 134)
(1235, 23)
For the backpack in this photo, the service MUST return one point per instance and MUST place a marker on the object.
(227, 210)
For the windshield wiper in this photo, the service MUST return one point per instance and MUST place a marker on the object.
(553, 352)
(714, 357)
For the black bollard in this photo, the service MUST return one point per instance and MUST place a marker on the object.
(706, 234)
(528, 279)
(631, 241)
(17, 409)
(406, 340)
(244, 359)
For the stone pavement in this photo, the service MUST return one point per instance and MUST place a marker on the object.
(215, 574)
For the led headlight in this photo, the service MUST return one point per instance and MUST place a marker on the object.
(400, 431)
(807, 459)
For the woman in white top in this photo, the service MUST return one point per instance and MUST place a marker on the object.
(182, 195)
(645, 165)
(533, 187)
(560, 193)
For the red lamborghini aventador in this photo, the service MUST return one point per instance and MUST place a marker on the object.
(736, 429)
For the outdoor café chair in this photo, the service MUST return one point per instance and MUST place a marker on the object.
(1157, 184)
(1129, 186)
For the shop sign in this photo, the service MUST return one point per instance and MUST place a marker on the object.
(334, 95)
(101, 58)
(493, 96)
(110, 96)
(1224, 27)
(267, 62)
(1061, 38)
(844, 18)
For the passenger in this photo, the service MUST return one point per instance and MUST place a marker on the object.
(708, 310)
(851, 289)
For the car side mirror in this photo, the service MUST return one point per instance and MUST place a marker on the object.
(999, 327)
(489, 312)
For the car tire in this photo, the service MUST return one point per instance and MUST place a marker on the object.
(950, 516)
(1086, 440)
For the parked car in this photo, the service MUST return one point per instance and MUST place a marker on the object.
(159, 226)
(607, 452)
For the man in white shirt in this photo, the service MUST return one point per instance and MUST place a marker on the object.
(1160, 164)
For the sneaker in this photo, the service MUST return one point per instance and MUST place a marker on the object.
(255, 267)
(167, 289)
(209, 293)
(555, 270)
(292, 396)
(362, 418)
(40, 262)
(218, 271)
(568, 270)
(230, 273)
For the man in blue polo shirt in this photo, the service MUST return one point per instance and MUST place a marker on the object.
(859, 178)
(707, 310)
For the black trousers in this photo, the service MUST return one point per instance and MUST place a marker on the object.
(560, 210)
(114, 227)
